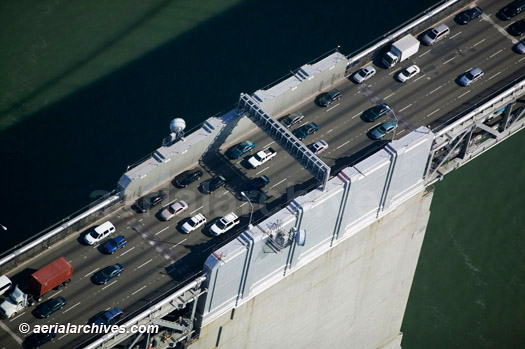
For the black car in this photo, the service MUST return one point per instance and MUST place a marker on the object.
(49, 307)
(329, 98)
(108, 273)
(151, 200)
(36, 340)
(376, 112)
(213, 184)
(517, 28)
(469, 15)
(511, 10)
(187, 177)
(306, 130)
(259, 182)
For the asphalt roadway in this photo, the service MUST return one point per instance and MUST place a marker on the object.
(158, 255)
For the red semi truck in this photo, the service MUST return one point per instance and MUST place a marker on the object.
(54, 275)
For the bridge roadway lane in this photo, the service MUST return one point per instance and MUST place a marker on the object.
(157, 253)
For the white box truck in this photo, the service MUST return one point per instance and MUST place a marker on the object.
(401, 49)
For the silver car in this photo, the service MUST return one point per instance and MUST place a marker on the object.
(471, 76)
(364, 74)
(173, 210)
(318, 147)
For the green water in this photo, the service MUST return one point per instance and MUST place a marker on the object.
(469, 287)
(88, 87)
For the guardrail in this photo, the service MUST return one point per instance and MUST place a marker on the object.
(58, 231)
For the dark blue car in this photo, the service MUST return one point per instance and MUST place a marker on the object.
(306, 130)
(109, 317)
(240, 149)
(36, 340)
(103, 276)
(114, 244)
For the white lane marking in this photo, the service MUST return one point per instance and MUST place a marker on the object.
(128, 250)
(267, 145)
(408, 106)
(435, 111)
(342, 145)
(400, 132)
(91, 272)
(140, 289)
(422, 76)
(103, 288)
(392, 72)
(243, 204)
(59, 338)
(493, 76)
(499, 28)
(264, 169)
(161, 231)
(15, 337)
(327, 110)
(496, 53)
(140, 220)
(276, 184)
(390, 95)
(140, 266)
(54, 294)
(356, 115)
(434, 90)
(445, 62)
(179, 244)
(192, 212)
(421, 55)
(16, 317)
(521, 59)
(329, 131)
(68, 309)
(461, 95)
(479, 42)
(225, 192)
(238, 162)
(453, 36)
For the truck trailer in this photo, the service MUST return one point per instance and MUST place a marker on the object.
(401, 50)
(54, 275)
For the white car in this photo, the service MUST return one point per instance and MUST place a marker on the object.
(101, 232)
(173, 210)
(318, 147)
(224, 224)
(364, 74)
(195, 222)
(408, 73)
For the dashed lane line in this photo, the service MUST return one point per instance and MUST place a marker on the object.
(195, 210)
(435, 111)
(161, 231)
(327, 110)
(479, 42)
(493, 76)
(390, 95)
(276, 184)
(434, 90)
(91, 272)
(140, 289)
(461, 95)
(143, 264)
(264, 169)
(128, 250)
(408, 106)
(103, 288)
(68, 309)
(496, 53)
(342, 145)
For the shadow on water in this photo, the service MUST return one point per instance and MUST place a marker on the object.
(60, 155)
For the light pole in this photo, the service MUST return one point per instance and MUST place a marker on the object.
(251, 207)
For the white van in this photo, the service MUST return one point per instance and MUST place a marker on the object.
(5, 284)
(436, 34)
(101, 232)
